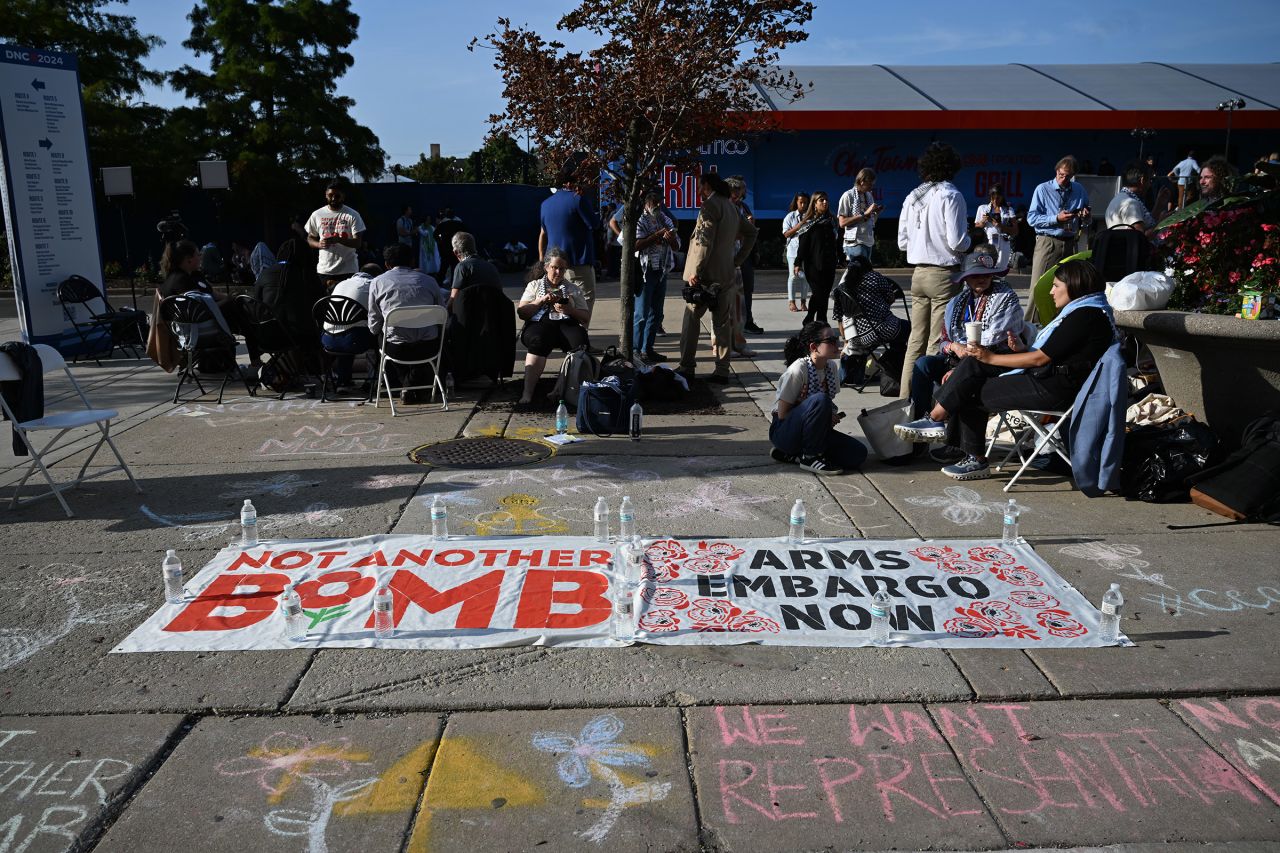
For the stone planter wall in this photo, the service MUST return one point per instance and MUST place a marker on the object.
(1223, 370)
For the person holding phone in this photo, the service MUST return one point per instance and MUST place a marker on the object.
(998, 218)
(555, 314)
(858, 212)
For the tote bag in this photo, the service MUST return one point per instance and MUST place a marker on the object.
(877, 425)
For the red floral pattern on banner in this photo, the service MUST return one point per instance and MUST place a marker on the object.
(992, 617)
(1060, 623)
(993, 555)
(706, 565)
(659, 621)
(665, 550)
(1031, 598)
(935, 554)
(1017, 575)
(724, 550)
(708, 612)
(660, 572)
(665, 596)
(753, 623)
(972, 628)
(962, 567)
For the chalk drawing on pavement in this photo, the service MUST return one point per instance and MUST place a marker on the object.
(963, 506)
(1116, 558)
(519, 514)
(377, 482)
(592, 755)
(1206, 602)
(284, 485)
(257, 411)
(198, 527)
(351, 439)
(714, 496)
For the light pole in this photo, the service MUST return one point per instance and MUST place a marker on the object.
(1142, 134)
(1230, 105)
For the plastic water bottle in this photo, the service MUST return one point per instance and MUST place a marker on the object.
(1112, 604)
(602, 520)
(795, 535)
(383, 624)
(295, 622)
(562, 419)
(1011, 513)
(439, 519)
(248, 525)
(637, 421)
(626, 521)
(172, 569)
(880, 618)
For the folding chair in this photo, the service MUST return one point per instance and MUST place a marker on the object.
(270, 336)
(123, 328)
(1037, 435)
(198, 331)
(336, 311)
(63, 422)
(862, 326)
(413, 317)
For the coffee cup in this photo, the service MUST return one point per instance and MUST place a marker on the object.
(973, 332)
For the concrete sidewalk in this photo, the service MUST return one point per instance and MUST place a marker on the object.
(644, 748)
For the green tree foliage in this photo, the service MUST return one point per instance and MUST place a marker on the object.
(500, 161)
(269, 103)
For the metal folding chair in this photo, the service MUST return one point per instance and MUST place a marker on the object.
(413, 317)
(63, 423)
(92, 317)
(336, 311)
(186, 315)
(1036, 435)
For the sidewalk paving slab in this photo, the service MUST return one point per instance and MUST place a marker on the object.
(1101, 772)
(807, 778)
(61, 777)
(559, 780)
(258, 783)
(1245, 730)
(1002, 673)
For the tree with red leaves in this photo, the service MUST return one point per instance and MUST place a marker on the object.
(668, 77)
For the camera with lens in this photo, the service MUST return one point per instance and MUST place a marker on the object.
(699, 296)
(171, 228)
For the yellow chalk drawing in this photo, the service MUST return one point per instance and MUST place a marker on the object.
(529, 432)
(463, 778)
(487, 431)
(520, 516)
(397, 789)
(631, 780)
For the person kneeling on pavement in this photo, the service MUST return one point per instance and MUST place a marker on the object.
(1046, 377)
(864, 301)
(803, 428)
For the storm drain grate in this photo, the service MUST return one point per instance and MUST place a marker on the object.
(480, 453)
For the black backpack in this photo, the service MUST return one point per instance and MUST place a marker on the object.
(1120, 251)
(1246, 486)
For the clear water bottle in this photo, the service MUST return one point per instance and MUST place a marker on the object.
(562, 419)
(439, 519)
(1011, 513)
(248, 525)
(295, 621)
(383, 622)
(626, 521)
(1112, 605)
(602, 520)
(795, 535)
(880, 618)
(637, 421)
(172, 569)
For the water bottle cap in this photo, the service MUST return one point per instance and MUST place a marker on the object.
(171, 553)
(1115, 586)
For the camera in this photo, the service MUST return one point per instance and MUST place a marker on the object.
(698, 296)
(171, 228)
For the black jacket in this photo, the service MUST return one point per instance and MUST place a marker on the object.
(25, 396)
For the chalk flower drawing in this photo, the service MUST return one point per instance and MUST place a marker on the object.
(315, 515)
(1116, 558)
(281, 486)
(284, 759)
(713, 497)
(961, 505)
(62, 589)
(391, 481)
(592, 755)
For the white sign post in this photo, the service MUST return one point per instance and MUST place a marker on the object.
(46, 188)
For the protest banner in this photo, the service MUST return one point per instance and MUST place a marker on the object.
(482, 592)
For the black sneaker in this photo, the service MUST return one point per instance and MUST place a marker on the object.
(718, 379)
(785, 458)
(652, 356)
(753, 328)
(818, 465)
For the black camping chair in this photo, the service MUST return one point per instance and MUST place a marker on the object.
(91, 314)
(266, 334)
(198, 332)
(862, 325)
(336, 311)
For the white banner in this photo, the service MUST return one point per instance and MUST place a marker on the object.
(481, 592)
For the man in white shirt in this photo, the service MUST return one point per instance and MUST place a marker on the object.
(1127, 207)
(933, 231)
(335, 231)
(1183, 172)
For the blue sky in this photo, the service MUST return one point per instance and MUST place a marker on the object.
(415, 83)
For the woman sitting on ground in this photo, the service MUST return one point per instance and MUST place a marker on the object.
(986, 299)
(555, 316)
(1046, 377)
(863, 306)
(805, 416)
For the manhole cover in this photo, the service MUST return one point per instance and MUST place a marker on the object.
(480, 453)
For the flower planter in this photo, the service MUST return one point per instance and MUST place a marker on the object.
(1223, 370)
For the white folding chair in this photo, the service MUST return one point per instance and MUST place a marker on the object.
(413, 317)
(63, 422)
(1037, 435)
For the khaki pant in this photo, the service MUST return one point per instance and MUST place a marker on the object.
(584, 275)
(721, 329)
(931, 290)
(1049, 250)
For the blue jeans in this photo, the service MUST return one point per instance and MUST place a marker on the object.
(648, 310)
(858, 251)
(927, 372)
(352, 341)
(808, 431)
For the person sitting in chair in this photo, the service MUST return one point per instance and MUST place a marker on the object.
(864, 301)
(1046, 377)
(803, 428)
(555, 315)
(399, 287)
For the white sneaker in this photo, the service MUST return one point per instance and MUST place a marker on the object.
(925, 429)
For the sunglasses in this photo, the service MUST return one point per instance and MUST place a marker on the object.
(827, 341)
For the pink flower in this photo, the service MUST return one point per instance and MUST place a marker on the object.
(659, 621)
(707, 612)
(665, 597)
(1234, 277)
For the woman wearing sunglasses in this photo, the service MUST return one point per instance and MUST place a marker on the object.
(803, 428)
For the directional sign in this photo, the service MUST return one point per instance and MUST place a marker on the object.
(46, 188)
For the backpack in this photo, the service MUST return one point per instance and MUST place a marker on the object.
(578, 367)
(1120, 251)
(1246, 486)
(605, 407)
(659, 384)
(614, 363)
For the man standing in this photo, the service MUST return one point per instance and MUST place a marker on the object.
(1183, 172)
(933, 229)
(710, 270)
(1059, 210)
(402, 286)
(656, 241)
(857, 214)
(404, 226)
(738, 184)
(1127, 208)
(569, 223)
(335, 231)
(471, 269)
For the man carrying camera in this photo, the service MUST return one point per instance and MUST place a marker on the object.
(1059, 212)
(710, 272)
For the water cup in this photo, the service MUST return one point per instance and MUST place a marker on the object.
(973, 333)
